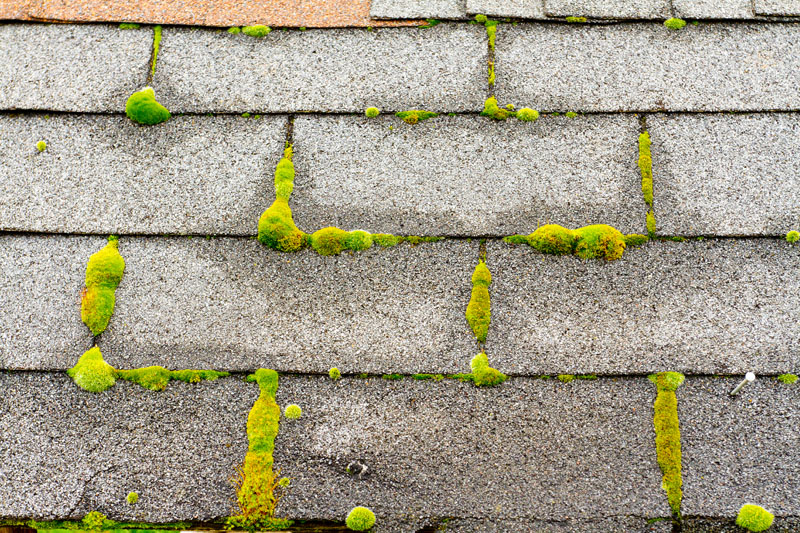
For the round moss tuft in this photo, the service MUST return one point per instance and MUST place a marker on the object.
(553, 239)
(258, 30)
(334, 373)
(94, 520)
(277, 230)
(360, 519)
(481, 275)
(234, 30)
(526, 114)
(599, 241)
(372, 112)
(754, 518)
(284, 482)
(41, 146)
(793, 236)
(92, 373)
(674, 23)
(142, 107)
(293, 412)
(328, 241)
(481, 19)
(132, 498)
(358, 240)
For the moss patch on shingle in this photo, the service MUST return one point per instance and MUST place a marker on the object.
(668, 436)
(598, 241)
(479, 313)
(103, 275)
(142, 108)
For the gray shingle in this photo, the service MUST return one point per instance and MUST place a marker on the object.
(742, 449)
(466, 175)
(726, 174)
(623, 9)
(645, 66)
(84, 68)
(104, 174)
(441, 68)
(628, 524)
(235, 304)
(702, 307)
(41, 278)
(725, 9)
(417, 9)
(530, 9)
(777, 7)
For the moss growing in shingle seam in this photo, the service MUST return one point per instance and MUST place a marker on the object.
(479, 313)
(234, 30)
(360, 519)
(258, 489)
(793, 236)
(668, 436)
(103, 274)
(482, 374)
(276, 227)
(128, 26)
(414, 116)
(754, 518)
(372, 112)
(258, 30)
(527, 114)
(646, 167)
(334, 373)
(598, 241)
(635, 239)
(386, 240)
(132, 498)
(491, 73)
(578, 20)
(651, 224)
(156, 46)
(788, 379)
(92, 373)
(674, 23)
(142, 107)
(494, 111)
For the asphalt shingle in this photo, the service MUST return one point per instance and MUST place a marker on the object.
(716, 306)
(624, 9)
(89, 68)
(647, 67)
(530, 9)
(104, 174)
(466, 175)
(777, 7)
(440, 68)
(719, 9)
(726, 174)
(410, 9)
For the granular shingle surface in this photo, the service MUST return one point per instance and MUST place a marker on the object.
(723, 9)
(407, 9)
(636, 9)
(777, 7)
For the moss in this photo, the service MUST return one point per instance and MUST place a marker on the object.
(571, 114)
(386, 240)
(423, 377)
(41, 146)
(430, 23)
(651, 224)
(103, 275)
(334, 373)
(415, 115)
(793, 236)
(516, 239)
(329, 241)
(392, 377)
(479, 313)
(599, 241)
(576, 19)
(258, 30)
(482, 374)
(635, 239)
(414, 240)
(565, 378)
(284, 482)
(142, 107)
(156, 378)
(754, 518)
(258, 491)
(234, 30)
(358, 240)
(92, 373)
(360, 519)
(156, 46)
(372, 112)
(674, 23)
(553, 239)
(94, 520)
(132, 498)
(491, 73)
(646, 168)
(491, 32)
(276, 227)
(788, 379)
(492, 110)
(293, 412)
(128, 26)
(668, 436)
(284, 176)
(587, 377)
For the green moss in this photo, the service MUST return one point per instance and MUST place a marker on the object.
(492, 110)
(423, 377)
(527, 114)
(258, 30)
(430, 23)
(358, 240)
(479, 313)
(293, 412)
(787, 378)
(372, 112)
(41, 146)
(565, 378)
(92, 373)
(334, 373)
(576, 19)
(668, 436)
(392, 377)
(360, 519)
(415, 115)
(635, 239)
(599, 241)
(156, 46)
(793, 236)
(754, 518)
(132, 498)
(94, 520)
(646, 167)
(481, 19)
(553, 239)
(156, 378)
(386, 240)
(571, 114)
(284, 482)
(142, 107)
(103, 275)
(414, 240)
(651, 224)
(234, 30)
(329, 241)
(516, 239)
(674, 23)
(276, 228)
(483, 375)
(491, 32)
(128, 26)
(491, 73)
(284, 176)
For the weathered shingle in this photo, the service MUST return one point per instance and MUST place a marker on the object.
(635, 9)
(410, 9)
(721, 9)
(777, 7)
(531, 9)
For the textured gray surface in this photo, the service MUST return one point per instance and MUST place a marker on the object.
(723, 9)
(236, 304)
(87, 68)
(777, 7)
(604, 525)
(624, 9)
(531, 9)
(41, 278)
(67, 451)
(529, 448)
(726, 174)
(702, 307)
(103, 174)
(466, 175)
(709, 525)
(645, 66)
(440, 68)
(737, 450)
(420, 9)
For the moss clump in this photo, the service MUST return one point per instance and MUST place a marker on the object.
(526, 114)
(479, 313)
(334, 373)
(94, 520)
(156, 46)
(360, 519)
(142, 107)
(424, 377)
(598, 241)
(674, 23)
(483, 375)
(570, 114)
(358, 240)
(372, 112)
(128, 26)
(553, 239)
(481, 19)
(132, 498)
(576, 19)
(651, 224)
(494, 111)
(92, 373)
(392, 377)
(386, 240)
(788, 379)
(329, 241)
(276, 227)
(415, 115)
(103, 274)
(646, 167)
(234, 30)
(293, 412)
(635, 239)
(565, 378)
(259, 30)
(41, 146)
(668, 436)
(754, 518)
(793, 236)
(258, 489)
(491, 73)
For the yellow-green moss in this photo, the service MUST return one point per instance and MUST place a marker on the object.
(646, 167)
(788, 379)
(293, 412)
(258, 30)
(553, 239)
(565, 378)
(329, 241)
(570, 114)
(360, 519)
(358, 240)
(142, 107)
(635, 239)
(479, 313)
(668, 436)
(527, 114)
(132, 498)
(284, 175)
(276, 227)
(576, 19)
(793, 236)
(754, 518)
(41, 146)
(674, 23)
(494, 111)
(92, 373)
(234, 30)
(598, 241)
(651, 224)
(413, 116)
(129, 26)
(334, 373)
(386, 240)
(156, 46)
(372, 112)
(491, 73)
(103, 275)
(482, 374)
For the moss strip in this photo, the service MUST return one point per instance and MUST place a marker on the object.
(479, 313)
(646, 168)
(668, 436)
(103, 275)
(156, 44)
(598, 241)
(482, 374)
